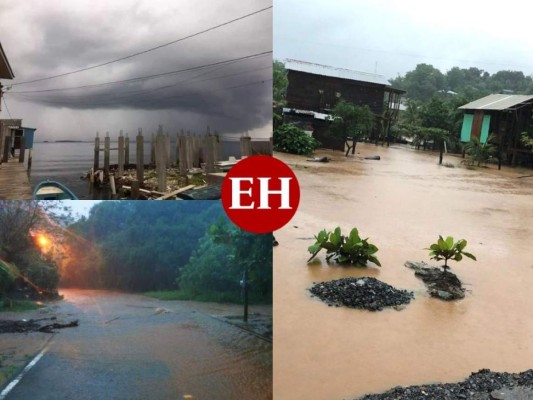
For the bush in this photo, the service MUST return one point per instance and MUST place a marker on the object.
(289, 138)
(345, 249)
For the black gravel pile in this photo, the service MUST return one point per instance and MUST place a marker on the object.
(481, 385)
(366, 293)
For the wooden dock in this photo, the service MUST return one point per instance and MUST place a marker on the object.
(14, 181)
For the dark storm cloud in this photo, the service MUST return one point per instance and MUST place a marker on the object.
(62, 36)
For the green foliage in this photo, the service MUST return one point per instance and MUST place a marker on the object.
(526, 140)
(289, 138)
(224, 253)
(345, 249)
(280, 82)
(8, 275)
(18, 305)
(136, 245)
(479, 153)
(350, 120)
(447, 249)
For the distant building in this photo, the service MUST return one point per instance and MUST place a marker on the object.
(504, 117)
(317, 88)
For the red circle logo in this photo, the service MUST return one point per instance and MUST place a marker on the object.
(260, 194)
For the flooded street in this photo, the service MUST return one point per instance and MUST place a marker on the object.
(133, 347)
(402, 203)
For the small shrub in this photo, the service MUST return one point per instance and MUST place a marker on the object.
(289, 138)
(449, 250)
(345, 249)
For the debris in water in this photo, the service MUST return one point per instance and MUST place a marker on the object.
(440, 284)
(365, 293)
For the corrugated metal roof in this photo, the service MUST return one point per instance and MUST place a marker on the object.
(325, 70)
(5, 69)
(497, 102)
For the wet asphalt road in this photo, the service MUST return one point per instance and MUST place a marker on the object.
(132, 347)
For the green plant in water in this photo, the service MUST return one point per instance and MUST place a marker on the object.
(345, 249)
(449, 250)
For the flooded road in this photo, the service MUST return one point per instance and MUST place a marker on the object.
(402, 203)
(133, 347)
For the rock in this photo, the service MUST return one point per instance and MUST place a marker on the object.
(364, 293)
(443, 285)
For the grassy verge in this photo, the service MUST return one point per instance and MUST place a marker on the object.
(18, 305)
(212, 297)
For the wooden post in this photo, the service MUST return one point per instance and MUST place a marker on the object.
(244, 284)
(209, 154)
(96, 151)
(152, 150)
(161, 162)
(216, 146)
(183, 154)
(106, 153)
(7, 142)
(120, 155)
(112, 184)
(246, 146)
(29, 159)
(127, 150)
(22, 149)
(189, 147)
(167, 147)
(140, 157)
(271, 146)
(135, 186)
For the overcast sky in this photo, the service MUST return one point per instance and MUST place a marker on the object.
(392, 37)
(46, 38)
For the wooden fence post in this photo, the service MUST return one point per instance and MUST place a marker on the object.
(140, 157)
(106, 153)
(209, 154)
(127, 150)
(183, 154)
(152, 150)
(96, 151)
(246, 146)
(120, 155)
(161, 162)
(22, 149)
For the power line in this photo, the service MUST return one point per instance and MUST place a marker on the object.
(141, 100)
(140, 92)
(3, 98)
(148, 76)
(148, 50)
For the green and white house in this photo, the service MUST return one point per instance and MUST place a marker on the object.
(503, 117)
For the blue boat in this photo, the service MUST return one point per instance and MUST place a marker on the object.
(52, 190)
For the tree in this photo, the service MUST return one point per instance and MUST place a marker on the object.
(349, 120)
(280, 82)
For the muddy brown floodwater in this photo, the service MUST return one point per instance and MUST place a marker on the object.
(402, 203)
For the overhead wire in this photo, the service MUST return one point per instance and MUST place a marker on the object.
(145, 51)
(145, 77)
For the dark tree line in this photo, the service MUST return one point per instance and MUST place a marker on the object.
(426, 81)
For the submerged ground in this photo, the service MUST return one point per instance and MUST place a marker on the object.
(403, 202)
(133, 347)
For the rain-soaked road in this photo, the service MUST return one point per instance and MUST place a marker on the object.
(129, 347)
(403, 202)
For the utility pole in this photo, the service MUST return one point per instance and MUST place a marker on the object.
(244, 285)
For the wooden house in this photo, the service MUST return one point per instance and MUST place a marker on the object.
(317, 88)
(503, 117)
(5, 73)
